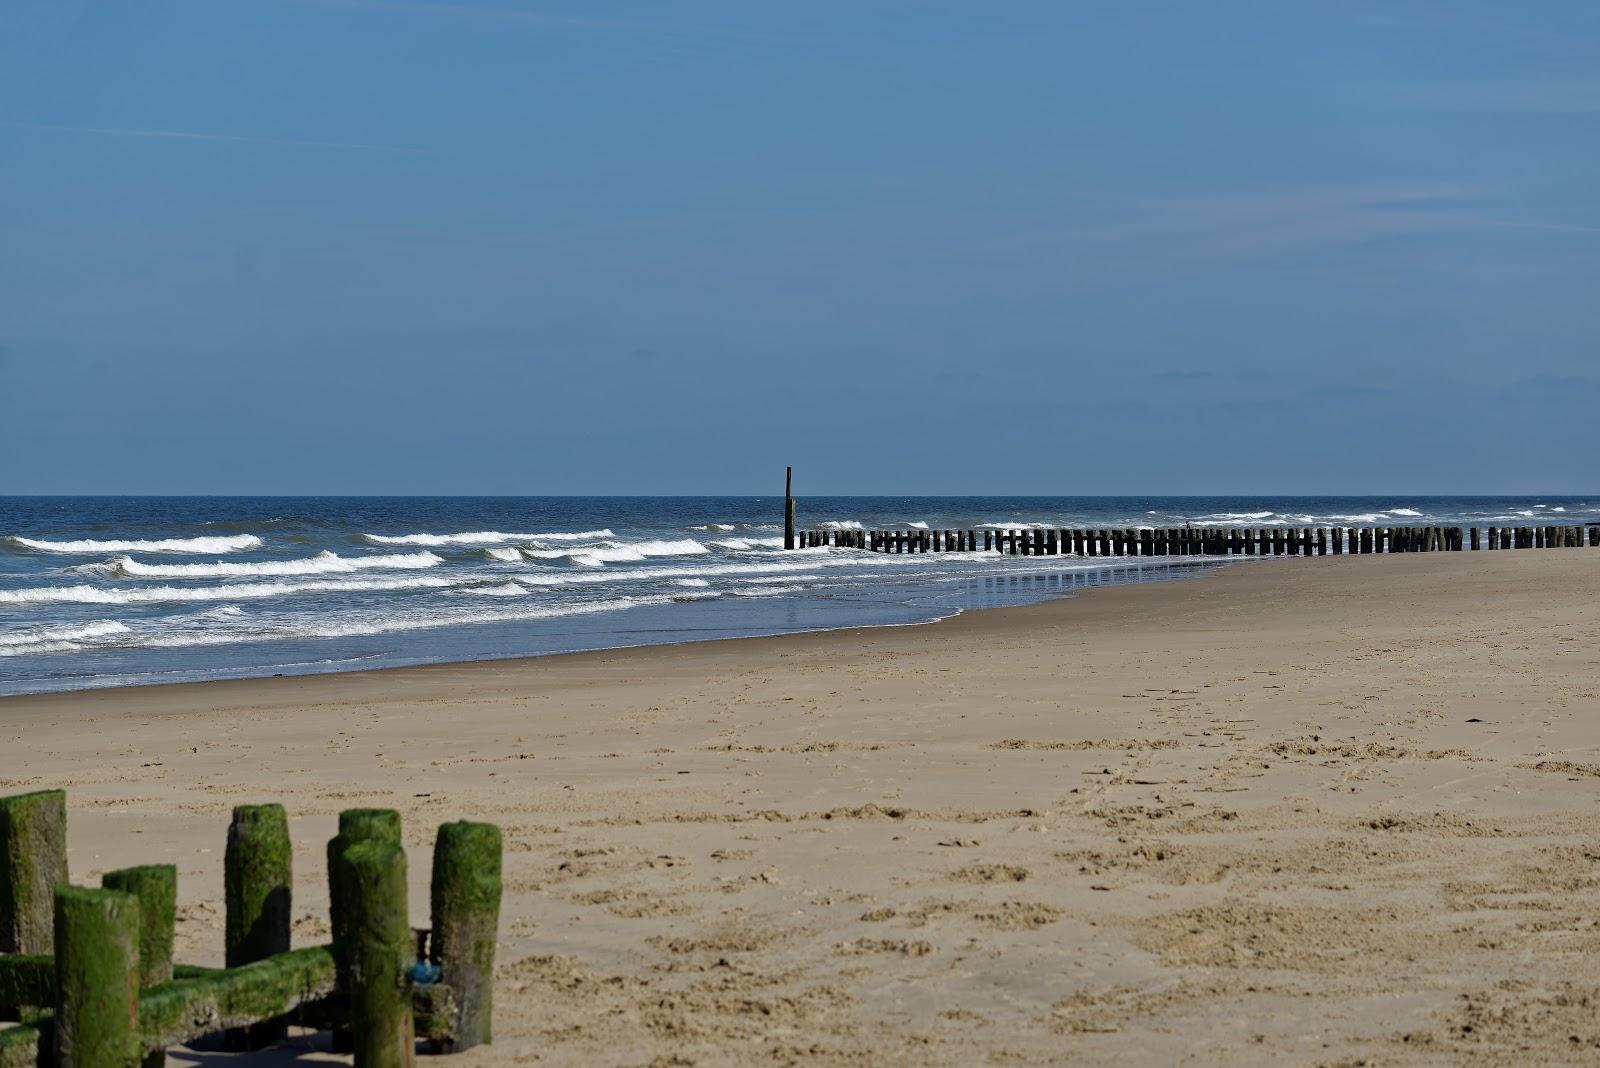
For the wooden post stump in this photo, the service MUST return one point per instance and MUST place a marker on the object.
(356, 825)
(379, 947)
(156, 887)
(466, 922)
(33, 862)
(258, 885)
(97, 978)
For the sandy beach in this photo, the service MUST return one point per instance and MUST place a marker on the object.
(1333, 811)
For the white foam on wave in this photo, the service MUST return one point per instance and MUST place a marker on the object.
(482, 537)
(85, 594)
(619, 552)
(324, 563)
(840, 524)
(746, 544)
(232, 544)
(691, 582)
(511, 555)
(1404, 511)
(646, 574)
(59, 637)
(505, 589)
(917, 525)
(1232, 516)
(720, 527)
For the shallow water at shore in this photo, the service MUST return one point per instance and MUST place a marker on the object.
(118, 591)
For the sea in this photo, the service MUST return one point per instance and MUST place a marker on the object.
(120, 591)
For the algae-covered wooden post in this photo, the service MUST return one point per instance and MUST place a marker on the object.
(466, 922)
(33, 862)
(156, 887)
(258, 881)
(97, 978)
(356, 825)
(378, 937)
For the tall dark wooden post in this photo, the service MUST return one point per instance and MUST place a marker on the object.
(788, 508)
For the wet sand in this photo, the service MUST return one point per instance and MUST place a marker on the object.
(1334, 811)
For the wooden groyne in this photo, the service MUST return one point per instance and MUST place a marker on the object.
(1198, 541)
(88, 972)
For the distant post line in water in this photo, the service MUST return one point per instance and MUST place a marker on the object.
(1194, 541)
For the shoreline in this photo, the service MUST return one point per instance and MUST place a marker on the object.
(1199, 569)
(1336, 810)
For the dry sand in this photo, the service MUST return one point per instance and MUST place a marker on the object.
(1335, 811)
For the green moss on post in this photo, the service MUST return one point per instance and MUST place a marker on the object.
(26, 979)
(356, 825)
(26, 1046)
(156, 887)
(33, 862)
(258, 877)
(378, 943)
(211, 1001)
(97, 977)
(466, 925)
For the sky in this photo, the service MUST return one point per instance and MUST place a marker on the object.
(414, 246)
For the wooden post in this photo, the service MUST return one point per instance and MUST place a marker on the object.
(156, 887)
(33, 862)
(788, 507)
(97, 977)
(258, 886)
(380, 954)
(466, 922)
(1475, 537)
(356, 825)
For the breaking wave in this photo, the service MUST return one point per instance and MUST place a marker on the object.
(481, 537)
(618, 552)
(85, 594)
(56, 638)
(324, 563)
(230, 544)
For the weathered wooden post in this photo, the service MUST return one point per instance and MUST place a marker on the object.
(788, 507)
(96, 942)
(379, 946)
(156, 887)
(258, 885)
(466, 921)
(356, 825)
(33, 862)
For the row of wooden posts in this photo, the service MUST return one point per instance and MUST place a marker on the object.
(1202, 541)
(89, 972)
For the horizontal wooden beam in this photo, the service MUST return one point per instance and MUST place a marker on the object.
(185, 1009)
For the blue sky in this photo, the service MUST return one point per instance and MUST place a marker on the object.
(410, 246)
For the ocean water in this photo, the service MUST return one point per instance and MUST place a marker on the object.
(127, 590)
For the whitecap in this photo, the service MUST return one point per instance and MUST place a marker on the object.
(480, 537)
(619, 552)
(1404, 511)
(505, 589)
(86, 594)
(30, 639)
(323, 563)
(234, 544)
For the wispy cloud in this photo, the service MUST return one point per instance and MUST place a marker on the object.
(1244, 227)
(526, 17)
(1542, 96)
(190, 135)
